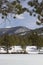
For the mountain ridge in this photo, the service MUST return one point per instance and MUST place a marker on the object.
(14, 30)
(20, 30)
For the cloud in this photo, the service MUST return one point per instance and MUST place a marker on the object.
(8, 26)
(20, 16)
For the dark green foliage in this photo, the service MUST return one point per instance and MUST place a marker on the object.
(15, 7)
(14, 3)
(37, 6)
(30, 3)
(38, 10)
(11, 40)
(18, 9)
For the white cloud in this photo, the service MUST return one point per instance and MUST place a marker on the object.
(8, 26)
(20, 16)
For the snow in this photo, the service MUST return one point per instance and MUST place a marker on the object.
(21, 59)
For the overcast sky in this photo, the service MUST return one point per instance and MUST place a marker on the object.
(21, 20)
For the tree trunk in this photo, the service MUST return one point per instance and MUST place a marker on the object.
(7, 51)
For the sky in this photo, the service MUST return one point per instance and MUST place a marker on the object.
(21, 20)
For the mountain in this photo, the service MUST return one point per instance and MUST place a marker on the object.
(20, 30)
(14, 30)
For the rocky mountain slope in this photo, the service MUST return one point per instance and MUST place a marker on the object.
(20, 30)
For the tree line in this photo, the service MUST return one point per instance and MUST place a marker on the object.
(15, 40)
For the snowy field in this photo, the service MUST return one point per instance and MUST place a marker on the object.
(21, 59)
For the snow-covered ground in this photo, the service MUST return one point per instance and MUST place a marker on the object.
(21, 59)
